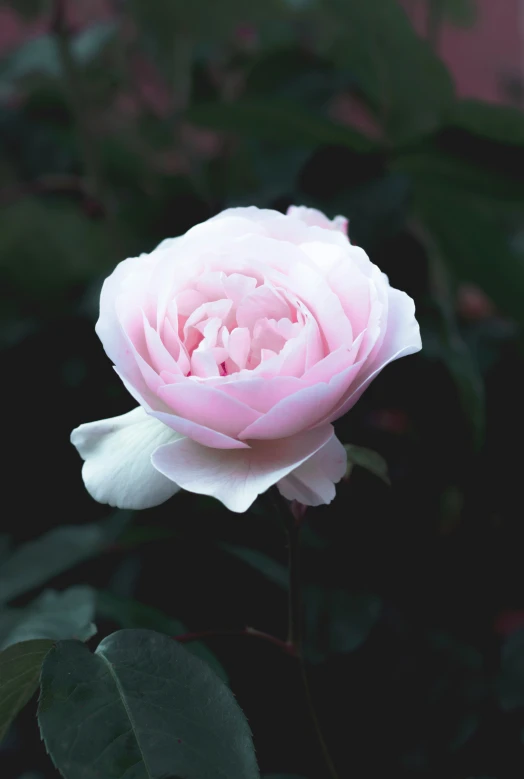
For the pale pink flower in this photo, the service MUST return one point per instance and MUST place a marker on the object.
(241, 341)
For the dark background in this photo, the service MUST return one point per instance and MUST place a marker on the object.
(126, 122)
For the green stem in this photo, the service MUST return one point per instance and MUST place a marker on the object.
(295, 633)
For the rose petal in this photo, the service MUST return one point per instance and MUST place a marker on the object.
(200, 433)
(305, 408)
(238, 345)
(314, 217)
(313, 482)
(117, 454)
(402, 337)
(260, 393)
(234, 477)
(195, 401)
(309, 284)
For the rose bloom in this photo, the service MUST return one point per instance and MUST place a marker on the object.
(242, 342)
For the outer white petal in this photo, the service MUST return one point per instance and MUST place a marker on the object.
(117, 454)
(237, 476)
(313, 482)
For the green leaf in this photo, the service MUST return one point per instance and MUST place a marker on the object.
(434, 170)
(278, 121)
(20, 666)
(88, 44)
(499, 123)
(474, 230)
(406, 83)
(75, 248)
(53, 615)
(453, 349)
(129, 613)
(141, 703)
(368, 459)
(34, 563)
(337, 621)
(40, 55)
(275, 572)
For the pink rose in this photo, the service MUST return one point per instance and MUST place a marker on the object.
(242, 341)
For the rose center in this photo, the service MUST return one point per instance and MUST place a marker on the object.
(228, 323)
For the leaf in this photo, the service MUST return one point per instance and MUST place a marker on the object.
(453, 349)
(337, 621)
(20, 666)
(129, 613)
(474, 231)
(433, 169)
(499, 123)
(275, 572)
(40, 55)
(88, 44)
(276, 120)
(368, 459)
(406, 83)
(75, 248)
(53, 615)
(140, 703)
(34, 563)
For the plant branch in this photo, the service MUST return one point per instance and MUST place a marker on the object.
(295, 631)
(285, 646)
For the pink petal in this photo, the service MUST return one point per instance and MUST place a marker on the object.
(238, 285)
(402, 337)
(108, 326)
(199, 433)
(262, 303)
(161, 359)
(188, 300)
(304, 409)
(313, 482)
(237, 478)
(203, 364)
(176, 348)
(238, 345)
(207, 406)
(157, 409)
(323, 303)
(260, 393)
(314, 217)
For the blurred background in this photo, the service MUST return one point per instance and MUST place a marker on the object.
(123, 122)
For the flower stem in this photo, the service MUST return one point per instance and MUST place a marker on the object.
(285, 646)
(295, 632)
